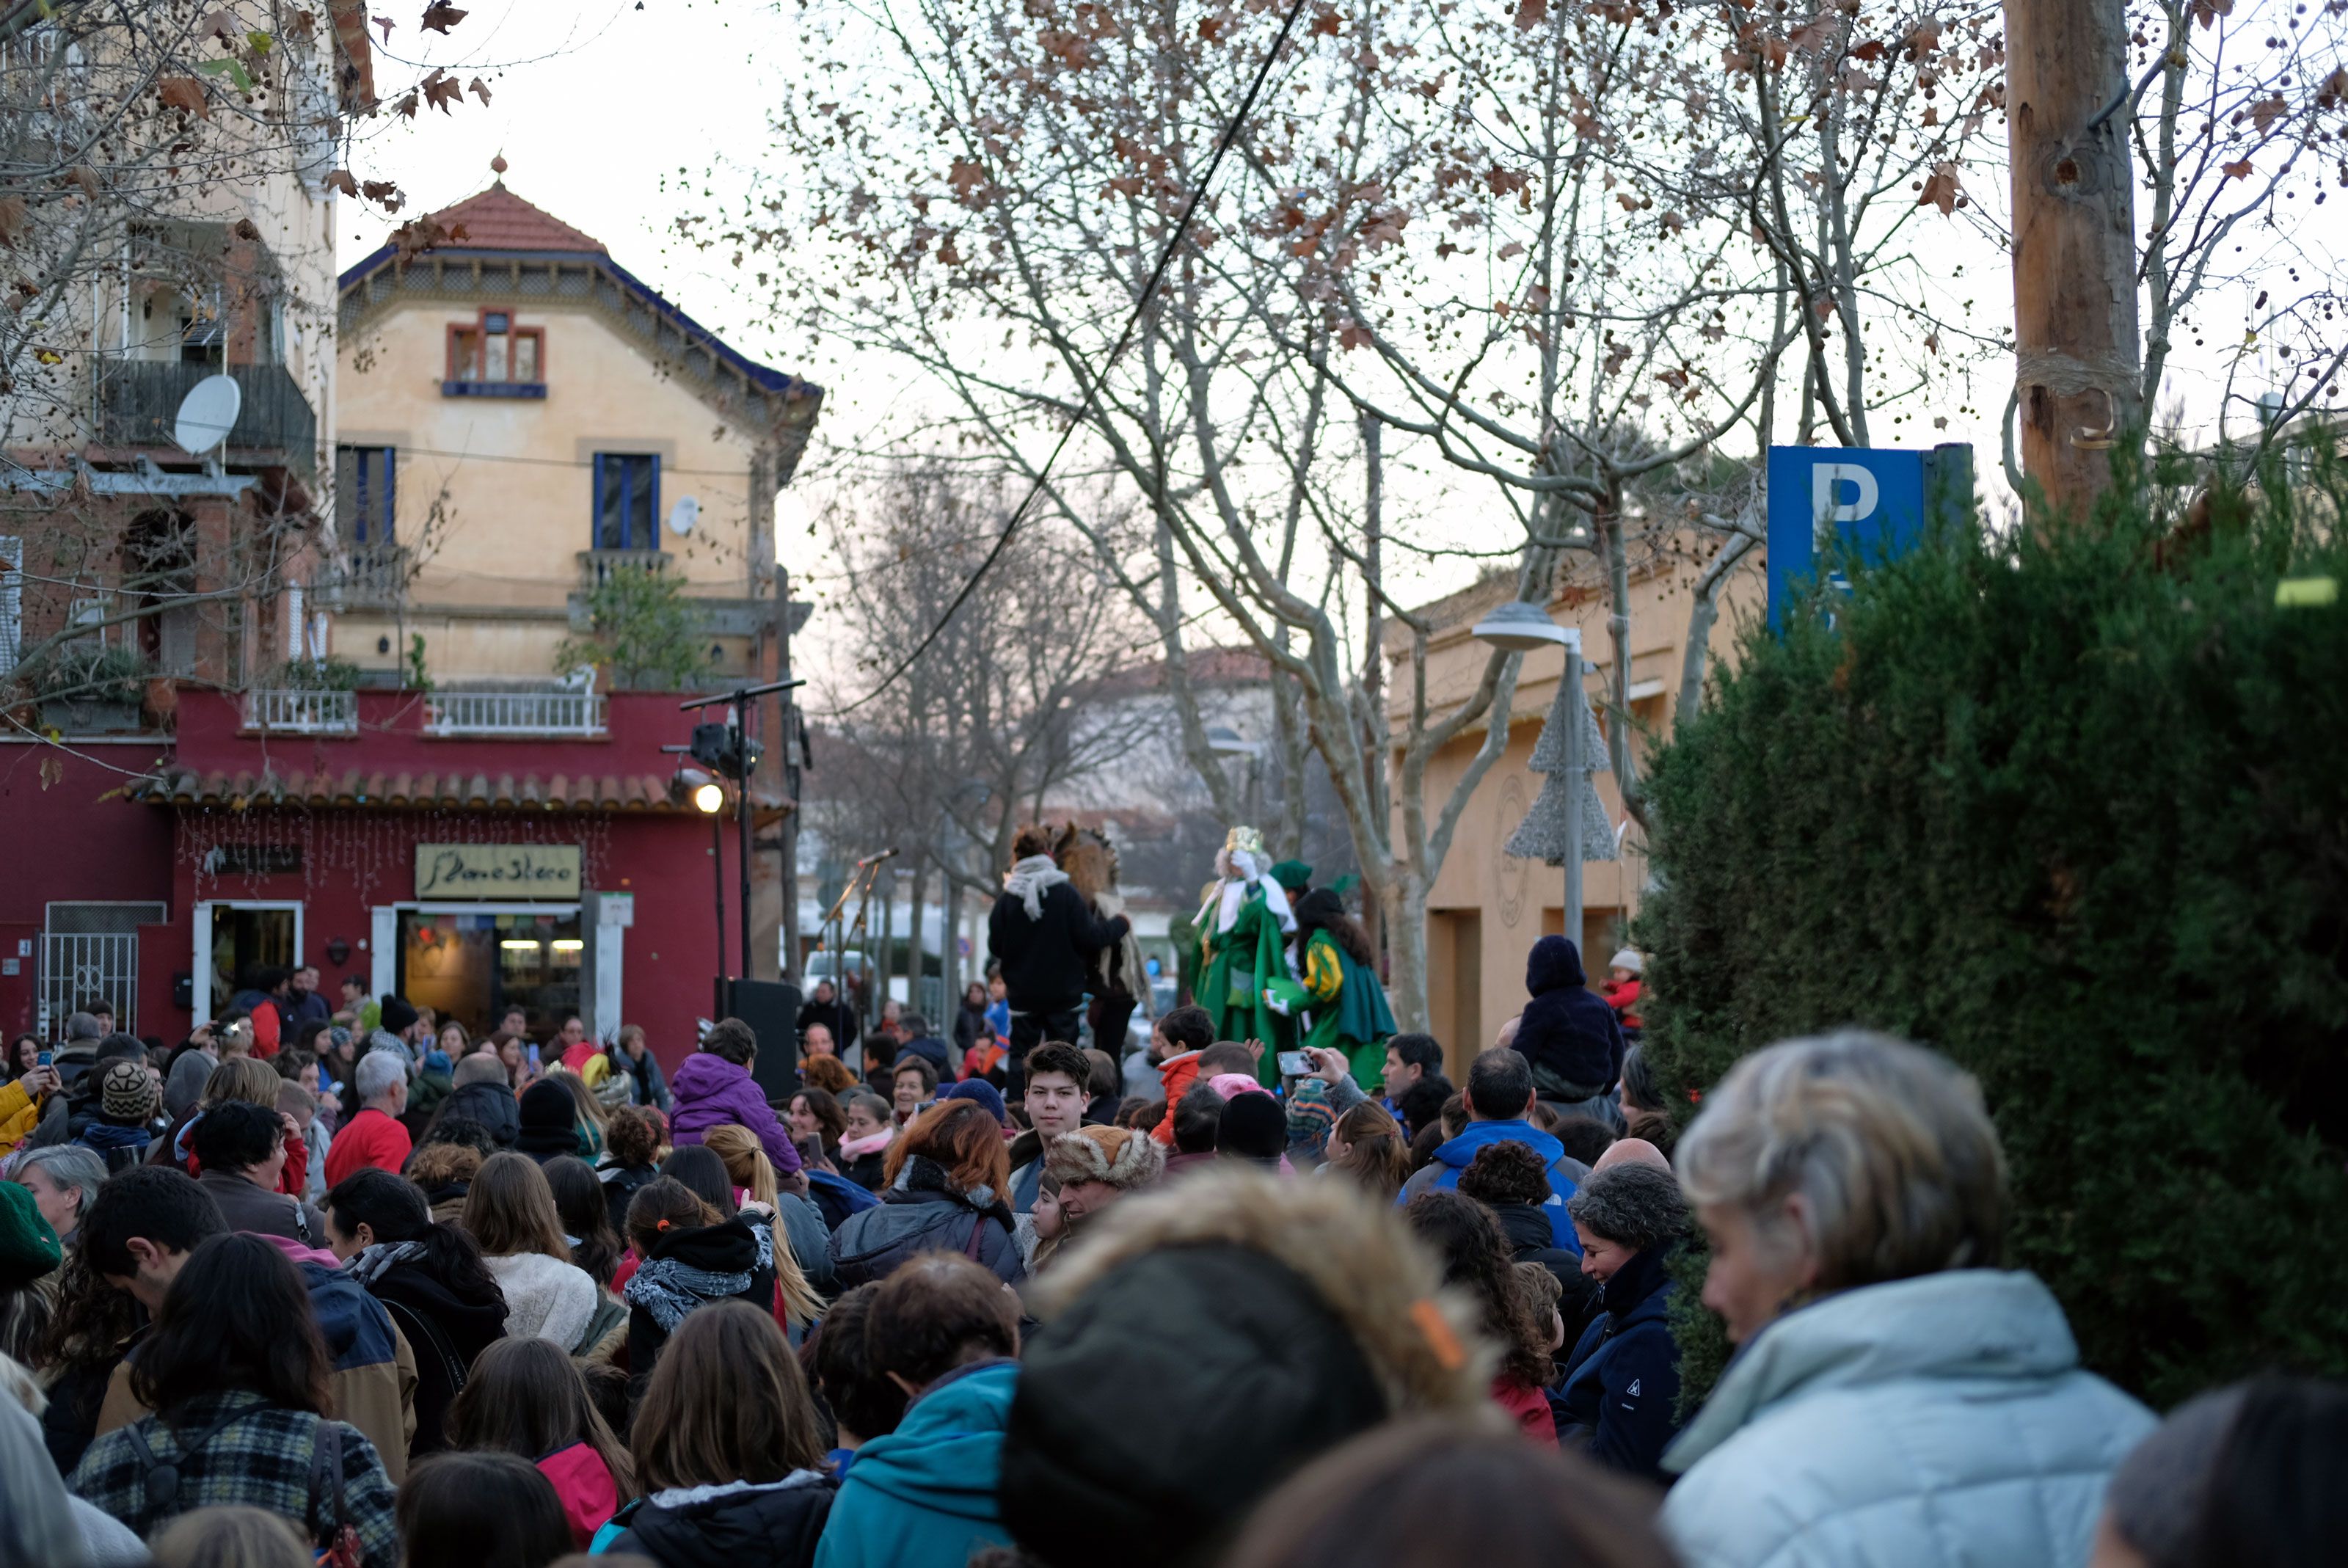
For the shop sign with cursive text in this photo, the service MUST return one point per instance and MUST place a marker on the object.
(496, 871)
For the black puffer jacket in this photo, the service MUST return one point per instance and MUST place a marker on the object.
(922, 1213)
(1570, 1036)
(1045, 961)
(490, 1104)
(774, 1525)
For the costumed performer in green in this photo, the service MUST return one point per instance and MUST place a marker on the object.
(1244, 923)
(1348, 1006)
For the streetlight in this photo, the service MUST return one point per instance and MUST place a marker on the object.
(708, 798)
(1522, 628)
(1517, 627)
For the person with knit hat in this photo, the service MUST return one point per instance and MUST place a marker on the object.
(1625, 982)
(1321, 1308)
(29, 1249)
(980, 1092)
(549, 1120)
(1098, 1166)
(1254, 1127)
(122, 1129)
(1619, 1400)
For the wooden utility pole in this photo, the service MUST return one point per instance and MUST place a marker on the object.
(2078, 346)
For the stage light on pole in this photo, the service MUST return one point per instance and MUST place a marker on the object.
(709, 799)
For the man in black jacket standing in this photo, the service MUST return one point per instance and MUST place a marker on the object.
(1044, 935)
(824, 1005)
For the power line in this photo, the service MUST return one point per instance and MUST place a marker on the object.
(1092, 389)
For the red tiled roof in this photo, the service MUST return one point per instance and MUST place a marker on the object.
(498, 220)
(441, 791)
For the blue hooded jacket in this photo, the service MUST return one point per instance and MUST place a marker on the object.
(924, 1496)
(1454, 1155)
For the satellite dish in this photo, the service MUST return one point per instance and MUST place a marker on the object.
(207, 414)
(684, 515)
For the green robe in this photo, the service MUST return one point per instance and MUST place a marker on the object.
(1356, 1021)
(1232, 991)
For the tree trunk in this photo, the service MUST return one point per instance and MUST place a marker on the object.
(1404, 906)
(2074, 286)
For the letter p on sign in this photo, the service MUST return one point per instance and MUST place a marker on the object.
(1828, 507)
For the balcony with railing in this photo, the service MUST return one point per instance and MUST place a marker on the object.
(596, 566)
(138, 402)
(368, 577)
(478, 715)
(278, 711)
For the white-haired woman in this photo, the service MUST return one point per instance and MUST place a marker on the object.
(1896, 1398)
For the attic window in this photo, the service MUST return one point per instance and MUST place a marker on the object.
(492, 357)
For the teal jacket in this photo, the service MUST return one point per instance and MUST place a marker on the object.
(924, 1496)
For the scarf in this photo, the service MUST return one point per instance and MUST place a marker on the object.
(1028, 880)
(372, 1262)
(669, 1289)
(858, 1148)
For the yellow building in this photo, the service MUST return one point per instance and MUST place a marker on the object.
(519, 419)
(1487, 907)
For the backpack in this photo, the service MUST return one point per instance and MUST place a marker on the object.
(160, 1483)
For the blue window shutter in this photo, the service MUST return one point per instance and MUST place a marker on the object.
(595, 529)
(359, 496)
(390, 491)
(651, 502)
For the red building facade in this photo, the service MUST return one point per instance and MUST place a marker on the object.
(470, 851)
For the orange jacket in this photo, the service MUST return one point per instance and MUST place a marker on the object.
(1175, 1077)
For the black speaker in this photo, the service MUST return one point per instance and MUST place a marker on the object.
(771, 1008)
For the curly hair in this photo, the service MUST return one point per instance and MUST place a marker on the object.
(1476, 1259)
(1509, 1172)
(633, 1136)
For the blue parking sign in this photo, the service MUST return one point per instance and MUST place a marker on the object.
(1871, 499)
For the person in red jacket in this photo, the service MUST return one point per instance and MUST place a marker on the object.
(375, 1136)
(1625, 982)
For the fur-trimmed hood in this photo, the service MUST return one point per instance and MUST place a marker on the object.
(1357, 1256)
(1265, 1323)
(1118, 1155)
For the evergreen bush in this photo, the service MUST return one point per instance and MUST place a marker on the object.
(2070, 804)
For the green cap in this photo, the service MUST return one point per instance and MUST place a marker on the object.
(1293, 875)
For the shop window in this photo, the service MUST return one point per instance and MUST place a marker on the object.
(627, 502)
(472, 967)
(365, 478)
(493, 357)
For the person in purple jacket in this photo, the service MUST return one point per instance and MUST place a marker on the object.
(715, 1087)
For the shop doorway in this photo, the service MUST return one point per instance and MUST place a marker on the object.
(235, 938)
(472, 966)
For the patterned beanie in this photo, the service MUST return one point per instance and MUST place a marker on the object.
(126, 1094)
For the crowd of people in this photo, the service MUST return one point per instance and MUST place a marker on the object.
(376, 1294)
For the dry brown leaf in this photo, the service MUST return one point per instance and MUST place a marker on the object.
(183, 93)
(2242, 170)
(439, 16)
(341, 179)
(385, 23)
(1531, 13)
(1941, 190)
(52, 770)
(12, 219)
(441, 89)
